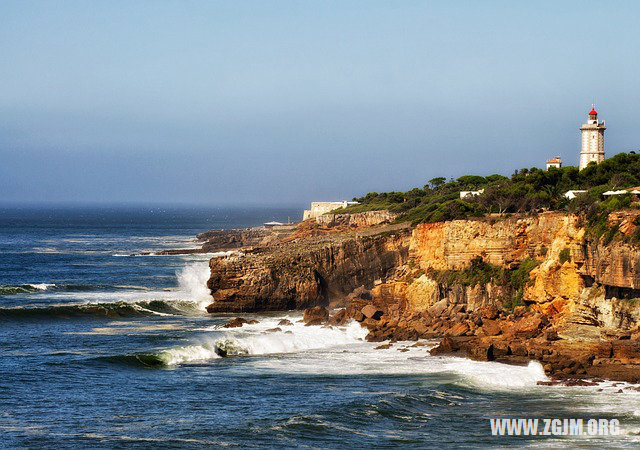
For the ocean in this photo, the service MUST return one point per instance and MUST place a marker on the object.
(104, 348)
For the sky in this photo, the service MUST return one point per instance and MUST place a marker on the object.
(288, 102)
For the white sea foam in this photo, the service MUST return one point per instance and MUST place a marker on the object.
(192, 288)
(42, 286)
(343, 350)
(188, 354)
(192, 283)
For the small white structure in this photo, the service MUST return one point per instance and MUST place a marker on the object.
(632, 191)
(554, 162)
(592, 140)
(465, 194)
(273, 224)
(573, 194)
(610, 193)
(320, 208)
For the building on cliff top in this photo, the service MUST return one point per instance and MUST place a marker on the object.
(631, 191)
(465, 194)
(574, 193)
(320, 208)
(592, 140)
(554, 162)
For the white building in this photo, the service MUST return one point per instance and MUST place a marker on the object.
(320, 208)
(465, 194)
(592, 140)
(554, 162)
(574, 193)
(632, 191)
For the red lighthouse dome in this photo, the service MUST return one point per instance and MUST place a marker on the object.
(593, 111)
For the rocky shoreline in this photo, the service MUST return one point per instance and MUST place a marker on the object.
(509, 290)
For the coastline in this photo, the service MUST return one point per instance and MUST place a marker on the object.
(392, 280)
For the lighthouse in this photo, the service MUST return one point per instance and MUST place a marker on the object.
(592, 140)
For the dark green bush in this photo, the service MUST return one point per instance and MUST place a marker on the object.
(565, 255)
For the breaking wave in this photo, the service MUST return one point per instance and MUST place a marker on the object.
(190, 297)
(335, 351)
(253, 340)
(35, 288)
(106, 310)
(192, 283)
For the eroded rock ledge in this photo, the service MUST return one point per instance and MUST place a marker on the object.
(306, 272)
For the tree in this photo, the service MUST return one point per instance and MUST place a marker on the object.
(437, 182)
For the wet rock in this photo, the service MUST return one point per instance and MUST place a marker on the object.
(446, 345)
(284, 322)
(316, 315)
(273, 330)
(339, 317)
(383, 347)
(238, 322)
(314, 322)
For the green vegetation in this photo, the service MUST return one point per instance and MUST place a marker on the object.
(515, 301)
(564, 256)
(481, 272)
(526, 191)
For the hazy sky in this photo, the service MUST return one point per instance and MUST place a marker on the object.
(292, 101)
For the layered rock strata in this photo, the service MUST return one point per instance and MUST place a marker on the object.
(309, 272)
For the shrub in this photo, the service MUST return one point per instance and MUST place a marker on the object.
(565, 255)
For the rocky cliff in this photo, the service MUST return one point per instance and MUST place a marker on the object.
(536, 287)
(306, 272)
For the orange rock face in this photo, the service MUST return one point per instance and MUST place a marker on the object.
(453, 245)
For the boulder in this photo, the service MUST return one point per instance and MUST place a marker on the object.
(238, 322)
(528, 327)
(371, 312)
(519, 311)
(551, 335)
(459, 329)
(316, 315)
(339, 317)
(491, 327)
(490, 312)
(626, 351)
(438, 308)
(446, 345)
(284, 322)
(314, 322)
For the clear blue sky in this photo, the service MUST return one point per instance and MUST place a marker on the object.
(292, 101)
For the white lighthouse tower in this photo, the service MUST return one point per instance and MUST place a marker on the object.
(592, 140)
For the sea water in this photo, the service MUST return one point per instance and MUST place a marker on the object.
(102, 346)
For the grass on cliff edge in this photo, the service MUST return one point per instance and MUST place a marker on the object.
(526, 191)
